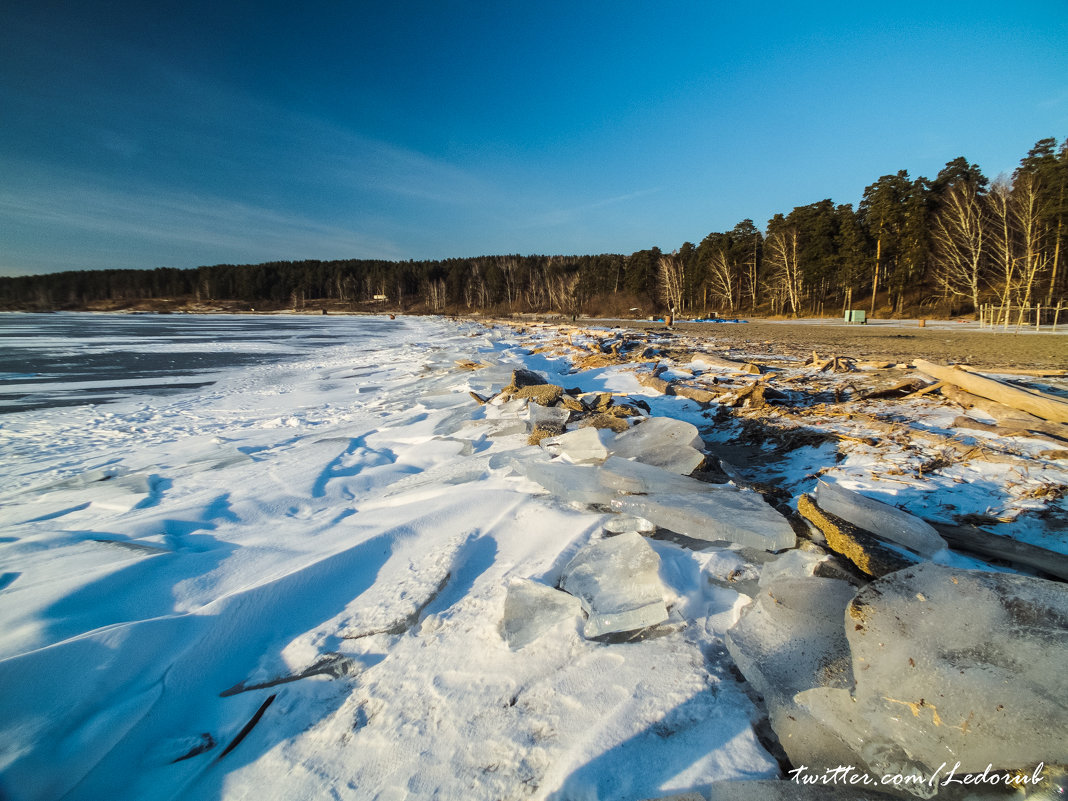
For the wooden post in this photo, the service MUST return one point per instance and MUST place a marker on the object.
(1056, 314)
(1038, 317)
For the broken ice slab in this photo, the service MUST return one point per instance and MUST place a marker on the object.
(956, 665)
(618, 582)
(620, 524)
(531, 609)
(791, 639)
(510, 408)
(570, 482)
(879, 518)
(735, 515)
(661, 441)
(629, 476)
(582, 446)
(124, 493)
(656, 431)
(547, 416)
(505, 428)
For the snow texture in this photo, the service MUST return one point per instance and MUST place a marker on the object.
(289, 583)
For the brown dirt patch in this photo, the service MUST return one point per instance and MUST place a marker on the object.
(897, 341)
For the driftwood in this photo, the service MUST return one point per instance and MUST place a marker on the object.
(1007, 417)
(1018, 371)
(978, 541)
(1048, 407)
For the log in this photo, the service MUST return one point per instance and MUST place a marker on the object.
(1048, 407)
(1017, 371)
(983, 543)
(1007, 416)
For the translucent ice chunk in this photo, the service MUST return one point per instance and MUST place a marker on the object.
(958, 666)
(791, 639)
(879, 518)
(531, 609)
(618, 582)
(621, 524)
(547, 416)
(657, 431)
(629, 476)
(582, 446)
(736, 515)
(662, 441)
(570, 482)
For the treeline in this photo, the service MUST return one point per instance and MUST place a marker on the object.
(941, 245)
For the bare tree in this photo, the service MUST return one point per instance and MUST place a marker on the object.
(435, 294)
(1003, 263)
(1028, 218)
(958, 236)
(722, 277)
(510, 271)
(672, 274)
(780, 254)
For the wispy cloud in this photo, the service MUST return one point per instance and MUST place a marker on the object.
(83, 225)
(571, 214)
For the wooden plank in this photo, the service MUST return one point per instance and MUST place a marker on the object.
(1048, 407)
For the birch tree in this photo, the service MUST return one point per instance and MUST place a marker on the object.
(672, 279)
(958, 234)
(784, 271)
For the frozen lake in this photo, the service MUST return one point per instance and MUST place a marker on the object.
(69, 359)
(290, 583)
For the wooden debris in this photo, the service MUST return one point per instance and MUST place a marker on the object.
(899, 389)
(1048, 407)
(1017, 371)
(977, 541)
(834, 364)
(937, 385)
(479, 398)
(693, 393)
(1007, 416)
(860, 547)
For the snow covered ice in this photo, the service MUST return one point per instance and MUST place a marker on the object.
(335, 525)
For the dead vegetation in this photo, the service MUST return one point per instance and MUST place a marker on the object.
(918, 419)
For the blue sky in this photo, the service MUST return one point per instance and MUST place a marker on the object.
(138, 134)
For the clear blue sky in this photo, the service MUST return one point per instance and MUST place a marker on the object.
(144, 134)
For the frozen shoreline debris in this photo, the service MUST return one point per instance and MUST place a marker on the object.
(879, 518)
(618, 583)
(735, 515)
(953, 666)
(791, 639)
(531, 609)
